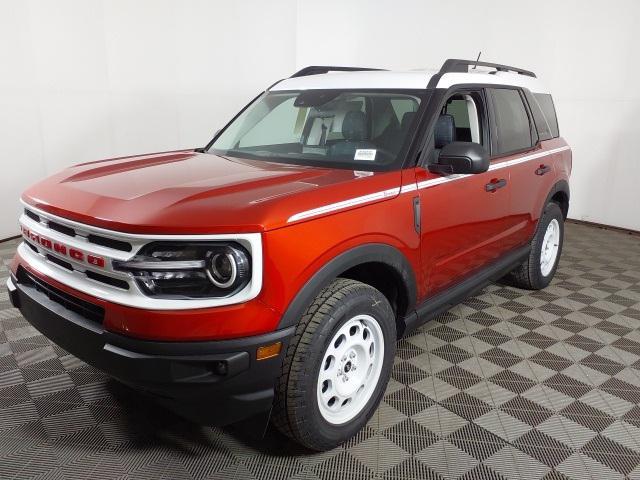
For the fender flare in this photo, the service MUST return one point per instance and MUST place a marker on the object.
(559, 186)
(367, 253)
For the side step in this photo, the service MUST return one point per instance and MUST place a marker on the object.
(443, 301)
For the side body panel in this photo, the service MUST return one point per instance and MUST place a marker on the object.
(533, 179)
(464, 227)
(294, 254)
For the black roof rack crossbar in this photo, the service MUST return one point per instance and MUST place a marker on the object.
(318, 69)
(462, 66)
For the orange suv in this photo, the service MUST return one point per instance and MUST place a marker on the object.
(270, 273)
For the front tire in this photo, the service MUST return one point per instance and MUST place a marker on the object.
(337, 365)
(538, 270)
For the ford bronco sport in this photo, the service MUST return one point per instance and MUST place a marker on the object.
(269, 274)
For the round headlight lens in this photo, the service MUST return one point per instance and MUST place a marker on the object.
(223, 270)
(190, 269)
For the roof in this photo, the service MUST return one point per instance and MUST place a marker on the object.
(411, 79)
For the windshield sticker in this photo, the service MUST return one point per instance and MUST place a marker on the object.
(366, 154)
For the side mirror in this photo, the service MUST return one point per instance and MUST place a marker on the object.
(461, 157)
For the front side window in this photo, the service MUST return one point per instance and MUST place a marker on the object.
(512, 130)
(345, 129)
(464, 108)
(461, 119)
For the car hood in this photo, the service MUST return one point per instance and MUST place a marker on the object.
(189, 192)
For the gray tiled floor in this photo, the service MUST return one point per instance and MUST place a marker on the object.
(511, 384)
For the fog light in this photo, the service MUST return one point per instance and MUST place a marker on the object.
(269, 351)
(221, 368)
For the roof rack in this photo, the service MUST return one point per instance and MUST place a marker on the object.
(462, 66)
(317, 69)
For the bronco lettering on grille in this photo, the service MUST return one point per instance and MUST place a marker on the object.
(62, 249)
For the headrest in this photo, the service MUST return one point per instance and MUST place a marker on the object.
(407, 118)
(445, 132)
(354, 126)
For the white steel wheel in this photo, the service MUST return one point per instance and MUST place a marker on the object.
(350, 369)
(550, 247)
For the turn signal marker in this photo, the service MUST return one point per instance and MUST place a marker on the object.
(268, 351)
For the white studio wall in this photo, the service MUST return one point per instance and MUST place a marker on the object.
(88, 79)
(83, 80)
(584, 50)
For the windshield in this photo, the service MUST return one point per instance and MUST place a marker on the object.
(344, 129)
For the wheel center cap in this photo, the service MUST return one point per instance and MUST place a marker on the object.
(347, 367)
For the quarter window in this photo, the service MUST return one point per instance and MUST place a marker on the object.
(544, 117)
(542, 126)
(546, 104)
(512, 130)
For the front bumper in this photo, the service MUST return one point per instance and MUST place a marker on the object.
(212, 382)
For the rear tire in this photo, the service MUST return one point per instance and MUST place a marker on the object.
(337, 365)
(538, 270)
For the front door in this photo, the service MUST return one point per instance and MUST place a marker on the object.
(464, 218)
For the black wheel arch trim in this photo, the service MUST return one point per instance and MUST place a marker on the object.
(559, 186)
(367, 253)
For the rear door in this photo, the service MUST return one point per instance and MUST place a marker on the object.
(515, 146)
(533, 177)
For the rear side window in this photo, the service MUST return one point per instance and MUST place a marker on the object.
(549, 110)
(512, 129)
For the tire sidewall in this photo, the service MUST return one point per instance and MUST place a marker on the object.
(551, 212)
(368, 302)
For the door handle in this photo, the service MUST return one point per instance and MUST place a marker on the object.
(542, 169)
(494, 185)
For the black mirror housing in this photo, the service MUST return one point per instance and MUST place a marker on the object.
(461, 158)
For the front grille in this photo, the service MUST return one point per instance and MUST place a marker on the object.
(31, 215)
(83, 308)
(61, 228)
(114, 282)
(32, 246)
(101, 240)
(59, 261)
(98, 277)
(110, 242)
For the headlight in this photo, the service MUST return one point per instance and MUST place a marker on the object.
(189, 270)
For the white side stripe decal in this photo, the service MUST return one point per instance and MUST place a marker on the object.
(412, 187)
(529, 157)
(495, 166)
(392, 192)
(332, 207)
